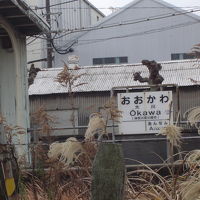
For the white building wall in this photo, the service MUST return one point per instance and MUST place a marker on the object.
(156, 39)
(95, 17)
(73, 15)
(13, 85)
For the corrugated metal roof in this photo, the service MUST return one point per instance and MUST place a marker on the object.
(104, 78)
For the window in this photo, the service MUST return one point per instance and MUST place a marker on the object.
(180, 56)
(188, 56)
(97, 18)
(110, 60)
(97, 61)
(175, 56)
(123, 59)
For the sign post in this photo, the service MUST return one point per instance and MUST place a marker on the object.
(145, 112)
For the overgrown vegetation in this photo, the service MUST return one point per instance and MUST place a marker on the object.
(63, 170)
(70, 80)
(66, 174)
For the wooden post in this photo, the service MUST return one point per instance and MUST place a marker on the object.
(108, 173)
(49, 38)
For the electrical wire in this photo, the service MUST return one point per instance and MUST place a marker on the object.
(57, 32)
(132, 8)
(122, 24)
(33, 40)
(58, 4)
(151, 31)
(64, 51)
(58, 50)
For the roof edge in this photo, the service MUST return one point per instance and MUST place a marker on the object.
(133, 3)
(95, 8)
(107, 18)
(175, 8)
(121, 65)
(38, 21)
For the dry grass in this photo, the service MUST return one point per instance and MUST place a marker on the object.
(11, 131)
(66, 152)
(173, 134)
(112, 111)
(74, 182)
(147, 184)
(193, 159)
(44, 121)
(68, 176)
(68, 78)
(60, 182)
(96, 126)
(193, 117)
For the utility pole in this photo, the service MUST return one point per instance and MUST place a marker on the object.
(49, 38)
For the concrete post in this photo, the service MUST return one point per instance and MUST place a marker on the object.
(108, 173)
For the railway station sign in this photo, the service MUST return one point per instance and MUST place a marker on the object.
(145, 112)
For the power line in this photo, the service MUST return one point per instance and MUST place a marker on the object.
(151, 31)
(124, 7)
(113, 25)
(64, 51)
(122, 24)
(133, 20)
(33, 40)
(132, 8)
(37, 8)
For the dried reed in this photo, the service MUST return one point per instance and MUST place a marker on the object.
(173, 134)
(43, 120)
(193, 117)
(112, 111)
(66, 152)
(193, 159)
(11, 131)
(68, 78)
(96, 126)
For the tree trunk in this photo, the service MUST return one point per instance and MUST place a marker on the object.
(108, 173)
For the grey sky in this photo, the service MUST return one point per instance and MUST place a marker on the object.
(120, 3)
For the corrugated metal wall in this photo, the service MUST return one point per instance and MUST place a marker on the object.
(189, 97)
(147, 148)
(87, 103)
